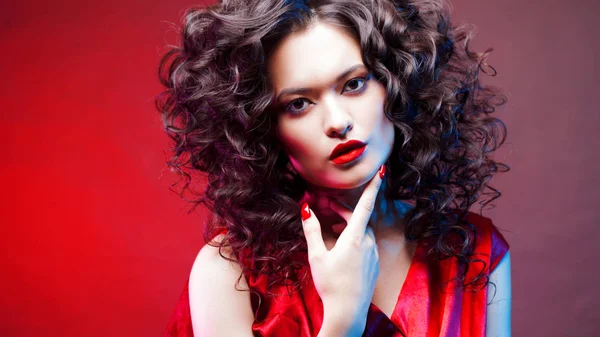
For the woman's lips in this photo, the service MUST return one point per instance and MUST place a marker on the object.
(349, 156)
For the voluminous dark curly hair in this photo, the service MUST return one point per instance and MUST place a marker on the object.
(216, 110)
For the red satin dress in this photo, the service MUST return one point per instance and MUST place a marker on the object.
(428, 305)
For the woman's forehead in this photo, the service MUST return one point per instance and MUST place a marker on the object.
(312, 57)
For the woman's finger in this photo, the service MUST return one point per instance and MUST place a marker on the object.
(312, 232)
(364, 208)
(371, 236)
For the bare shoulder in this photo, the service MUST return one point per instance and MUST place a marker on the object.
(210, 257)
(498, 322)
(216, 307)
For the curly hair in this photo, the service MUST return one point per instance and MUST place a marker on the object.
(216, 109)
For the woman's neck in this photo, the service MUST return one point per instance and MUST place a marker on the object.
(388, 215)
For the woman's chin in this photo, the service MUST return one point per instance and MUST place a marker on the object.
(338, 187)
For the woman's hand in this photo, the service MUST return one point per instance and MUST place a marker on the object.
(345, 276)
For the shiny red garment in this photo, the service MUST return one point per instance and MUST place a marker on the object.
(428, 304)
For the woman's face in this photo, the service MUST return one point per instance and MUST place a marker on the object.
(338, 101)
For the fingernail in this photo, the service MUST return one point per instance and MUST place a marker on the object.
(305, 211)
(382, 171)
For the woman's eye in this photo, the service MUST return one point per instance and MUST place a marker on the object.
(296, 105)
(355, 84)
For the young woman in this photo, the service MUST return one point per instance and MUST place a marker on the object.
(343, 144)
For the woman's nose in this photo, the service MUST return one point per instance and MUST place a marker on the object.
(337, 120)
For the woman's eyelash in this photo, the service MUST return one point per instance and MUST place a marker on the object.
(364, 79)
(364, 83)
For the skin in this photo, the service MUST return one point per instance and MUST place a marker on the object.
(498, 320)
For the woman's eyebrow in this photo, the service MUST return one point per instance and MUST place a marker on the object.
(307, 90)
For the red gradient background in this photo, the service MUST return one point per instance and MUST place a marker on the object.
(94, 244)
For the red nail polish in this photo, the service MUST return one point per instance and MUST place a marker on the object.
(305, 211)
(382, 171)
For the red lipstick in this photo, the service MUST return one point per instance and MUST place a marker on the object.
(346, 152)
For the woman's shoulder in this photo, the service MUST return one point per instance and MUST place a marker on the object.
(211, 249)
(220, 261)
(213, 298)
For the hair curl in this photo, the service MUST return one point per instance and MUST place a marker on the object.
(216, 110)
